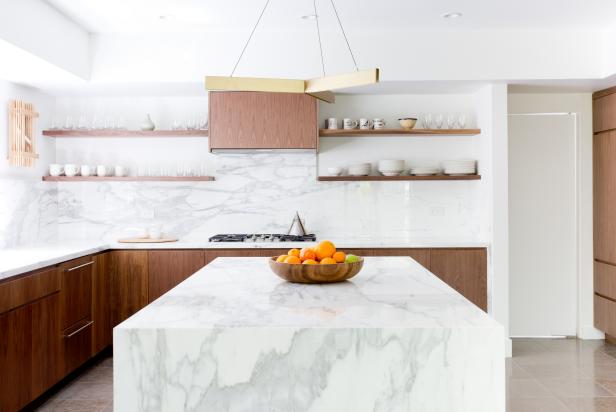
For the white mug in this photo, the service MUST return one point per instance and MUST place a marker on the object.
(332, 123)
(349, 124)
(87, 170)
(365, 124)
(56, 169)
(378, 123)
(71, 170)
(101, 170)
(121, 171)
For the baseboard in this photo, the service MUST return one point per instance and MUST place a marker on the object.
(589, 332)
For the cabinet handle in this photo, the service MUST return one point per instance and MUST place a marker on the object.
(70, 335)
(80, 266)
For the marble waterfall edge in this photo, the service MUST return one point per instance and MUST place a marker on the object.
(233, 337)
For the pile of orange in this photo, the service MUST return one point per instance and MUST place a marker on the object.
(323, 253)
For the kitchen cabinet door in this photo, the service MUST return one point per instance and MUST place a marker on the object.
(465, 270)
(167, 268)
(604, 113)
(260, 120)
(76, 290)
(604, 191)
(101, 308)
(128, 270)
(30, 352)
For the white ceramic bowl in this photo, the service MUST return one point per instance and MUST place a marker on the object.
(334, 171)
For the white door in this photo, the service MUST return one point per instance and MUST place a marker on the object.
(542, 225)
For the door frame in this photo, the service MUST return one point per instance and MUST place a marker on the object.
(577, 206)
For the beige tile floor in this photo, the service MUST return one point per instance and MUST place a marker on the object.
(544, 375)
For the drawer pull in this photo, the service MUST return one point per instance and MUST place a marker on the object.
(70, 335)
(80, 266)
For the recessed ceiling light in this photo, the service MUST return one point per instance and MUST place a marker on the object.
(309, 17)
(165, 17)
(454, 15)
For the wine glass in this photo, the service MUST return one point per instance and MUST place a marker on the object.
(462, 121)
(451, 121)
(438, 120)
(426, 121)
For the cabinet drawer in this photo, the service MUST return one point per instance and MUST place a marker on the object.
(77, 344)
(76, 290)
(605, 279)
(26, 289)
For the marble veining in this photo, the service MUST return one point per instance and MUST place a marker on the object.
(260, 193)
(234, 337)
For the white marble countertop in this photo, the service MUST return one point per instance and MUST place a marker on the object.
(15, 261)
(243, 292)
(235, 337)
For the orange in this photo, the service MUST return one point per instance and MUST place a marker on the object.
(293, 252)
(310, 262)
(325, 249)
(339, 257)
(328, 261)
(307, 254)
(281, 258)
(293, 260)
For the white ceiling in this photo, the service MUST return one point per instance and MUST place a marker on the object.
(121, 16)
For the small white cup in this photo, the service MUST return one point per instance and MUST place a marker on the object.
(365, 124)
(87, 170)
(101, 170)
(332, 123)
(71, 170)
(56, 169)
(378, 123)
(349, 124)
(120, 171)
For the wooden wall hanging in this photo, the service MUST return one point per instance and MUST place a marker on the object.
(22, 134)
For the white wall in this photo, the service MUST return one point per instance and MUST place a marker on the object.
(39, 29)
(28, 207)
(581, 104)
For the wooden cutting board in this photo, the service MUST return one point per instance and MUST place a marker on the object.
(147, 240)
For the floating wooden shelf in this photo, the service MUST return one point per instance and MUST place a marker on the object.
(125, 133)
(396, 132)
(395, 178)
(128, 179)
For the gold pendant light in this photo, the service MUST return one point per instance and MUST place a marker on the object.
(319, 88)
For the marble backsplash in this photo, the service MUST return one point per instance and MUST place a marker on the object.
(28, 212)
(260, 193)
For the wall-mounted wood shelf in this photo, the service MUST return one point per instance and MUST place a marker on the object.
(125, 133)
(397, 132)
(394, 178)
(128, 179)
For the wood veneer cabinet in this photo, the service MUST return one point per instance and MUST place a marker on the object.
(128, 271)
(168, 268)
(260, 120)
(604, 210)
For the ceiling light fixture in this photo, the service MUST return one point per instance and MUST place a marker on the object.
(319, 87)
(454, 15)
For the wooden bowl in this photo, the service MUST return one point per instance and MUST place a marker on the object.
(316, 273)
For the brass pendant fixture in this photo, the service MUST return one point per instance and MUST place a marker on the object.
(320, 88)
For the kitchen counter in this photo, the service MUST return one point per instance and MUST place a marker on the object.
(234, 337)
(23, 259)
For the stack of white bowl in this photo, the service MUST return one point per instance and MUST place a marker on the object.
(424, 170)
(460, 167)
(391, 167)
(360, 169)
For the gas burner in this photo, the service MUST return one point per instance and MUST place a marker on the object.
(261, 237)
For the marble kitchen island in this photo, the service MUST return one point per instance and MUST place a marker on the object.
(234, 337)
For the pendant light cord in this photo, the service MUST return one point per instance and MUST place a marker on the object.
(344, 34)
(316, 18)
(250, 37)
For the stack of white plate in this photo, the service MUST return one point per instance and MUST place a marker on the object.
(424, 170)
(391, 167)
(360, 169)
(460, 167)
